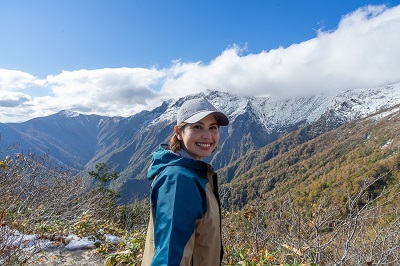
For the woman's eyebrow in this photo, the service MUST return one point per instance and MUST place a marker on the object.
(201, 123)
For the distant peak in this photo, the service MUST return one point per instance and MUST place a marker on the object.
(69, 113)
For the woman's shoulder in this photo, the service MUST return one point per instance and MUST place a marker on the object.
(179, 171)
(179, 178)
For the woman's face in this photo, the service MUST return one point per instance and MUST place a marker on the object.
(201, 138)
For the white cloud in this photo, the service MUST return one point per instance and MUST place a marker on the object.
(362, 52)
(118, 91)
(13, 99)
(11, 80)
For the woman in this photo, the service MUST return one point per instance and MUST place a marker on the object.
(185, 220)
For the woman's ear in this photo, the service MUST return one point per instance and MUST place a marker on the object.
(178, 132)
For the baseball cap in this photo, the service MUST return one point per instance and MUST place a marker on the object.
(194, 110)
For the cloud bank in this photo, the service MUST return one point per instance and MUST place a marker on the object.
(363, 51)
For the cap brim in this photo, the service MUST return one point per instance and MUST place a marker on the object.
(221, 117)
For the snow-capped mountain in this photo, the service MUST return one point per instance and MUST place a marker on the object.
(125, 144)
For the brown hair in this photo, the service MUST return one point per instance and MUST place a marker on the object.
(174, 142)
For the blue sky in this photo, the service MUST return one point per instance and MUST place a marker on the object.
(120, 57)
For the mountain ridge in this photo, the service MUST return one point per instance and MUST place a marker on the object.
(126, 143)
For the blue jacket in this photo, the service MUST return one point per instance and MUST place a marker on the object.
(185, 220)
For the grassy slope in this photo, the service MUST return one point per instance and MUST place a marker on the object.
(334, 164)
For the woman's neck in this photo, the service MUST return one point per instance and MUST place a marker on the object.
(187, 154)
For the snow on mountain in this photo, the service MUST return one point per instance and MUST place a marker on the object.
(362, 102)
(353, 104)
(275, 113)
(69, 113)
(126, 144)
(386, 114)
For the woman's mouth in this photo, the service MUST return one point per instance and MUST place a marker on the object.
(204, 145)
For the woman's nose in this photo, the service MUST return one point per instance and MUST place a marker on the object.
(206, 134)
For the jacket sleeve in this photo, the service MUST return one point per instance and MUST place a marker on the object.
(177, 201)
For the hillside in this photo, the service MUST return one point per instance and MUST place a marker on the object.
(78, 142)
(333, 165)
(295, 201)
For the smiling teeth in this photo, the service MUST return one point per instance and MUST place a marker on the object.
(205, 145)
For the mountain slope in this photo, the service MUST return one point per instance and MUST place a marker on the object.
(69, 138)
(332, 165)
(255, 122)
(125, 144)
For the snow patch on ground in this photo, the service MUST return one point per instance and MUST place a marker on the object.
(14, 240)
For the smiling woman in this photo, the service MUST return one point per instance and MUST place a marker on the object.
(185, 217)
(199, 139)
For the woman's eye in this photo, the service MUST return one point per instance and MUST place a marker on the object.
(213, 128)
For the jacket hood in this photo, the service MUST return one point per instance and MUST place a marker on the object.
(164, 157)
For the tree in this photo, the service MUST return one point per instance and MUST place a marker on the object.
(104, 175)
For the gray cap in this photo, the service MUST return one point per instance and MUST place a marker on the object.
(194, 110)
